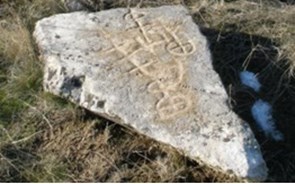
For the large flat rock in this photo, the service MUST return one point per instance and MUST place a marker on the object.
(149, 69)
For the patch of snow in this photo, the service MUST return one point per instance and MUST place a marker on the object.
(249, 79)
(262, 113)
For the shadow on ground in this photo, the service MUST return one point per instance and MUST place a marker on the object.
(234, 52)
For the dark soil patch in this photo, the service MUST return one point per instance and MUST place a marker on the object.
(234, 52)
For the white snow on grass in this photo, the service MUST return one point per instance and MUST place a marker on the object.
(249, 79)
(262, 113)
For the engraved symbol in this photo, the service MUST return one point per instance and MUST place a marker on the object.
(177, 46)
(155, 87)
(136, 16)
(172, 105)
(165, 74)
(180, 49)
(142, 68)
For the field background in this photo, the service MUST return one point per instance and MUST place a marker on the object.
(46, 139)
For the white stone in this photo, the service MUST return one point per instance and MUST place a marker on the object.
(149, 69)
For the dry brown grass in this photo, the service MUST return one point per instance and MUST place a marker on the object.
(270, 19)
(45, 139)
(98, 150)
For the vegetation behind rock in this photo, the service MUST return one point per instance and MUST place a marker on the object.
(46, 139)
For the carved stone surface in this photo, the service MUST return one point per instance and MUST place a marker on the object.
(149, 69)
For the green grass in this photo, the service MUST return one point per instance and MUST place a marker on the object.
(44, 138)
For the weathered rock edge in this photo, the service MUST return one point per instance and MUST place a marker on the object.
(70, 45)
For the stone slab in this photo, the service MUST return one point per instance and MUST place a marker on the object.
(150, 69)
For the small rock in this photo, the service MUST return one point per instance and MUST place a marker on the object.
(150, 69)
(74, 5)
(87, 5)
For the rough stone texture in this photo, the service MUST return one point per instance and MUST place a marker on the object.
(149, 69)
